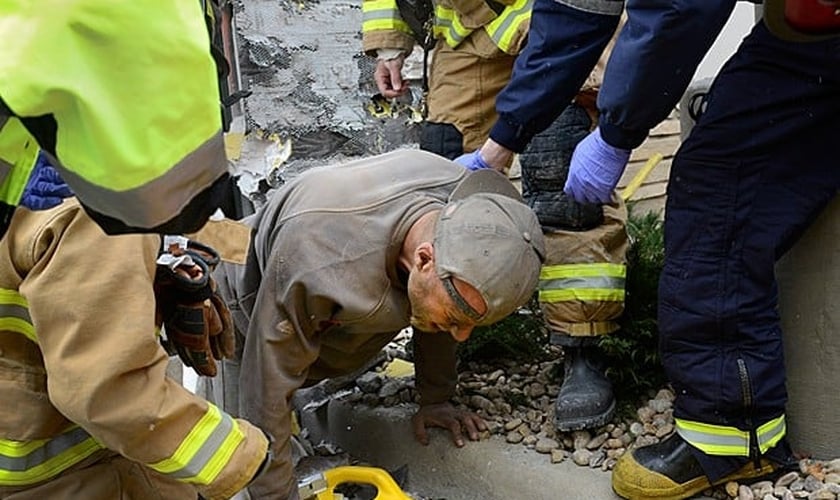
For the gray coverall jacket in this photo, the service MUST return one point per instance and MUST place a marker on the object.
(321, 292)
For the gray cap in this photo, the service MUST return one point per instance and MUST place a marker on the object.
(487, 237)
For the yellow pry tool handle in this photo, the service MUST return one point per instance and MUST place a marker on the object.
(637, 181)
(385, 484)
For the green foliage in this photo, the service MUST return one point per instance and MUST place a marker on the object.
(633, 352)
(521, 336)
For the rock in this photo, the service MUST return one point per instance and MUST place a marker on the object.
(513, 437)
(390, 388)
(597, 441)
(369, 382)
(745, 493)
(558, 455)
(513, 424)
(731, 489)
(581, 456)
(545, 445)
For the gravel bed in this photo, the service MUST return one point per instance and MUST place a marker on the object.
(517, 401)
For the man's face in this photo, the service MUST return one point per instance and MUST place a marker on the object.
(433, 310)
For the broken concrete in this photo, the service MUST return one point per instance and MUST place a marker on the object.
(490, 469)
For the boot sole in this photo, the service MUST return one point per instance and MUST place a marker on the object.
(626, 489)
(580, 423)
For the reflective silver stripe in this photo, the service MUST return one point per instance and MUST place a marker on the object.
(509, 19)
(605, 7)
(40, 455)
(582, 282)
(704, 440)
(445, 27)
(15, 311)
(207, 450)
(373, 15)
(730, 441)
(5, 170)
(160, 199)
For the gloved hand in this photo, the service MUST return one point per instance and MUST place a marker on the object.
(595, 169)
(45, 188)
(196, 320)
(472, 161)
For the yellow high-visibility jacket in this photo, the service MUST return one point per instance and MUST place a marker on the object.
(455, 20)
(82, 373)
(125, 96)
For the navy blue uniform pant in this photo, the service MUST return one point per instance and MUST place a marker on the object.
(757, 169)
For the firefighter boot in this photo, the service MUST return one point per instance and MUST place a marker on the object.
(668, 470)
(586, 398)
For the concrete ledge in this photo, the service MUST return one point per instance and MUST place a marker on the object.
(490, 469)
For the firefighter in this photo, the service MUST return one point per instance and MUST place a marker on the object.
(756, 170)
(343, 258)
(582, 283)
(475, 44)
(88, 411)
(141, 147)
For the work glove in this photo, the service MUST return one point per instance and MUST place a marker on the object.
(472, 161)
(196, 321)
(595, 170)
(45, 188)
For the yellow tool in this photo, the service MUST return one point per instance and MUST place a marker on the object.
(321, 486)
(640, 177)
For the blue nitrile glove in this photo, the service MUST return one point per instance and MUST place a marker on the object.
(472, 161)
(595, 169)
(45, 188)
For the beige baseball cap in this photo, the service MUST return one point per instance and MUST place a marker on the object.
(489, 238)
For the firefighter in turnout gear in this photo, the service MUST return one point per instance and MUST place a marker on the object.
(88, 411)
(581, 291)
(475, 44)
(142, 147)
(756, 170)
(582, 283)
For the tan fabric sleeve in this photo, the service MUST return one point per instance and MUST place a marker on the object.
(381, 39)
(92, 304)
(435, 366)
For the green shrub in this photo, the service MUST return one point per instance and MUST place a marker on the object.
(522, 336)
(632, 353)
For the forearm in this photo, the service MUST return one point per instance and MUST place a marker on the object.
(436, 366)
(653, 62)
(564, 44)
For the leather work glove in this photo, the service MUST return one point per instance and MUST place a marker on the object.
(45, 188)
(196, 320)
(595, 169)
(472, 161)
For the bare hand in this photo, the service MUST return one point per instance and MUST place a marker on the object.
(446, 416)
(388, 77)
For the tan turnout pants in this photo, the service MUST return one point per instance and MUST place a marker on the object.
(463, 84)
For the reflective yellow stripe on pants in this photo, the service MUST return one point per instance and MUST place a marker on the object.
(730, 441)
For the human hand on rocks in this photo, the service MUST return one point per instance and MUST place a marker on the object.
(446, 416)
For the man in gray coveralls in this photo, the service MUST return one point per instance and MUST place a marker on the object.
(342, 258)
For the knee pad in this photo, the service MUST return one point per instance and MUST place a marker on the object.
(443, 139)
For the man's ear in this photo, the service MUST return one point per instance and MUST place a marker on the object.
(424, 255)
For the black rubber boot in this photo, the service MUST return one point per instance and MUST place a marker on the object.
(586, 398)
(669, 470)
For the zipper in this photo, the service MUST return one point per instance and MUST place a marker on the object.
(747, 399)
